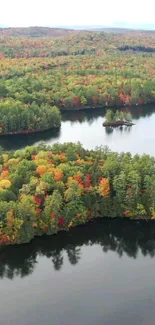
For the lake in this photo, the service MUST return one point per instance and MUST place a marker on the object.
(86, 127)
(100, 273)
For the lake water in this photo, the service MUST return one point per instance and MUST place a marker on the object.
(86, 127)
(101, 273)
(98, 274)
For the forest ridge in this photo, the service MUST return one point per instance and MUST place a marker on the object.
(38, 31)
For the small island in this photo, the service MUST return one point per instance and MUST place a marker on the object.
(119, 118)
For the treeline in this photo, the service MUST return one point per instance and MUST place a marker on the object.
(18, 118)
(35, 32)
(44, 190)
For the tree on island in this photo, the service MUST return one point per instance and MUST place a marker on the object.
(124, 118)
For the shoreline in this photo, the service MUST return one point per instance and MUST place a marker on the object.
(117, 123)
(78, 109)
(82, 225)
(29, 132)
(85, 108)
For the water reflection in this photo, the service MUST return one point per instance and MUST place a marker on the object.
(122, 129)
(92, 114)
(120, 236)
(16, 142)
(83, 116)
(86, 127)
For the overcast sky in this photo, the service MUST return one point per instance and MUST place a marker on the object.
(75, 12)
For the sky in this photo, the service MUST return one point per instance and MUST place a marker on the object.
(18, 13)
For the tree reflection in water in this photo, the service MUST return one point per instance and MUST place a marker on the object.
(120, 236)
(90, 115)
(109, 130)
(121, 129)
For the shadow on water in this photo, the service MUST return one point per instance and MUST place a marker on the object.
(16, 142)
(120, 236)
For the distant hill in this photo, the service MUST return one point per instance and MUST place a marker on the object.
(64, 31)
(97, 28)
(36, 32)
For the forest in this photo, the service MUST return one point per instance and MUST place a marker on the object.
(18, 118)
(44, 190)
(79, 71)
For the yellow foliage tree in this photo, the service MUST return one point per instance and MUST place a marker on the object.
(5, 183)
(41, 161)
(5, 157)
(152, 213)
(13, 162)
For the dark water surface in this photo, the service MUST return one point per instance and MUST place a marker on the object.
(86, 127)
(101, 273)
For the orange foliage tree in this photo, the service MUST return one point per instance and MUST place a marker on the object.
(104, 187)
(41, 170)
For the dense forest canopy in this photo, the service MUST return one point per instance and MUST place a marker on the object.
(82, 70)
(44, 190)
(18, 118)
(77, 43)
